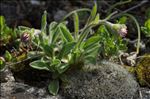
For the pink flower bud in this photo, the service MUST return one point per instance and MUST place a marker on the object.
(122, 31)
(25, 37)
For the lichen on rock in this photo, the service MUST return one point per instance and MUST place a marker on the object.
(104, 81)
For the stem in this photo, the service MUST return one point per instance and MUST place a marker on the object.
(29, 58)
(118, 3)
(110, 15)
(78, 10)
(138, 30)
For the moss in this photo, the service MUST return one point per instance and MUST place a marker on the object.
(19, 66)
(130, 69)
(143, 70)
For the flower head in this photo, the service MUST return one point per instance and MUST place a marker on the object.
(121, 29)
(25, 37)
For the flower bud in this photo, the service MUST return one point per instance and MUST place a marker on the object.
(121, 29)
(25, 37)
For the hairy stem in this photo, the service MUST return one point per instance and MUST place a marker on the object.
(138, 30)
(72, 12)
(117, 4)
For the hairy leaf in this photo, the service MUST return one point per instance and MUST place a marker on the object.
(54, 87)
(67, 37)
(62, 68)
(8, 56)
(44, 22)
(66, 49)
(76, 25)
(39, 64)
(91, 41)
(53, 32)
(93, 14)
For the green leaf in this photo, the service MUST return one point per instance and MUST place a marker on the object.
(53, 32)
(8, 56)
(91, 49)
(48, 50)
(44, 22)
(83, 35)
(23, 28)
(34, 54)
(96, 20)
(62, 68)
(76, 25)
(40, 65)
(148, 12)
(2, 23)
(147, 24)
(90, 59)
(146, 28)
(55, 62)
(54, 87)
(123, 20)
(66, 49)
(2, 64)
(90, 55)
(93, 13)
(91, 41)
(67, 37)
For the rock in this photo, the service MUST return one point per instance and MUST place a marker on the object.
(14, 90)
(106, 81)
(59, 15)
(143, 93)
(6, 75)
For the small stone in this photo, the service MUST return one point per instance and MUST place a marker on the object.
(41, 92)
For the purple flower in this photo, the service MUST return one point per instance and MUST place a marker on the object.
(25, 37)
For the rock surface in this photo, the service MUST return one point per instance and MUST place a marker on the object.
(11, 89)
(14, 90)
(106, 81)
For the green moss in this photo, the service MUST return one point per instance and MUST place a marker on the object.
(20, 65)
(143, 70)
(130, 69)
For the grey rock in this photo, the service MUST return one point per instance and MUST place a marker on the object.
(142, 93)
(6, 75)
(59, 15)
(104, 81)
(10, 12)
(14, 90)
